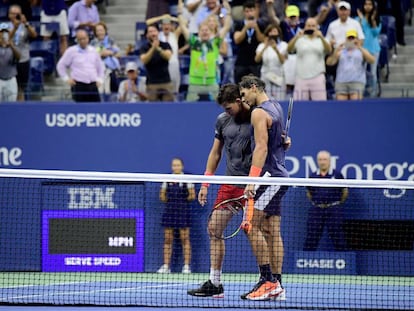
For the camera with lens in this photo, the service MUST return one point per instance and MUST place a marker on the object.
(349, 45)
(5, 36)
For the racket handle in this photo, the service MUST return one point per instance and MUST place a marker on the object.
(246, 226)
(247, 223)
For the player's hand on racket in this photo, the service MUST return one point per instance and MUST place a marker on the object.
(202, 195)
(250, 191)
(287, 142)
(246, 224)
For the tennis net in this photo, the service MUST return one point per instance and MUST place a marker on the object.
(100, 238)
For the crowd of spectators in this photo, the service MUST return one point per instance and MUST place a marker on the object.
(302, 49)
(190, 48)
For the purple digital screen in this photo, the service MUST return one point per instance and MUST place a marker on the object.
(93, 241)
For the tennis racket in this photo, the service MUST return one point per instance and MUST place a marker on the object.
(242, 216)
(289, 117)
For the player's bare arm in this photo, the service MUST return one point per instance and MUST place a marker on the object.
(213, 161)
(260, 122)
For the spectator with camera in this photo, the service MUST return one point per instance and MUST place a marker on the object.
(247, 36)
(272, 53)
(351, 59)
(21, 31)
(336, 33)
(290, 26)
(311, 48)
(8, 71)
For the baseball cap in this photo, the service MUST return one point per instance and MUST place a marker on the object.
(352, 33)
(292, 10)
(4, 26)
(131, 66)
(344, 4)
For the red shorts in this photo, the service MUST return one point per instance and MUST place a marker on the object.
(230, 194)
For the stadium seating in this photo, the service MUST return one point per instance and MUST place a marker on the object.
(140, 28)
(133, 58)
(36, 13)
(184, 71)
(48, 50)
(35, 84)
(383, 61)
(407, 7)
(389, 28)
(4, 9)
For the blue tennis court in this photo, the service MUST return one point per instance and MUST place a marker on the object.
(303, 292)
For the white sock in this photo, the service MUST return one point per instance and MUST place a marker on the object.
(215, 277)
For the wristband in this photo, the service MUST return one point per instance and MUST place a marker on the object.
(255, 171)
(207, 173)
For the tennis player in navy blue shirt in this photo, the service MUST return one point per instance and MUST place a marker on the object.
(326, 210)
(268, 159)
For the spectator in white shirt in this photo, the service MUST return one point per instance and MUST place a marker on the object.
(336, 33)
(311, 48)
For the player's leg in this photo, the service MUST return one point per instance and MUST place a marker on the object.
(271, 230)
(257, 239)
(264, 289)
(218, 221)
(216, 225)
(267, 241)
(186, 244)
(168, 244)
(219, 218)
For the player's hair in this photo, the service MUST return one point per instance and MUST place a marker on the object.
(228, 93)
(249, 80)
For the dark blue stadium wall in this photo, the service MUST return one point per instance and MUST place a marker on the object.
(369, 140)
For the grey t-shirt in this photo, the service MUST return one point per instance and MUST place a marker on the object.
(236, 136)
(7, 63)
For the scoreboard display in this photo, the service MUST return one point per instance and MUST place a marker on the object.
(93, 240)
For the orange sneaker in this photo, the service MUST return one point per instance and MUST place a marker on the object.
(265, 290)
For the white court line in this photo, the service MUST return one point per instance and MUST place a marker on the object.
(44, 285)
(89, 291)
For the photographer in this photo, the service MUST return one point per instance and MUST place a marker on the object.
(247, 36)
(8, 71)
(21, 33)
(272, 53)
(310, 47)
(351, 58)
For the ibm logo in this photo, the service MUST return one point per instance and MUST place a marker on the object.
(87, 197)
